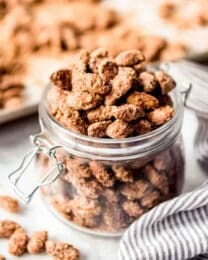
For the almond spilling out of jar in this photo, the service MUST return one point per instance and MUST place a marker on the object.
(20, 243)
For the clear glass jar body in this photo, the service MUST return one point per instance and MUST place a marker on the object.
(106, 183)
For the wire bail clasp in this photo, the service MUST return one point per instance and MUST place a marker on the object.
(41, 145)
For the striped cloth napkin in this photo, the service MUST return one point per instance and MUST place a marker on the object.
(174, 230)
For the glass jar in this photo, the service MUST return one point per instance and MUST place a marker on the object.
(102, 185)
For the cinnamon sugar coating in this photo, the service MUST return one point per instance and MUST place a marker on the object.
(144, 100)
(102, 174)
(62, 79)
(129, 112)
(18, 242)
(9, 203)
(121, 84)
(122, 174)
(132, 208)
(119, 129)
(130, 58)
(165, 81)
(161, 115)
(102, 113)
(60, 251)
(98, 129)
(107, 69)
(37, 242)
(148, 81)
(7, 228)
(135, 190)
(102, 96)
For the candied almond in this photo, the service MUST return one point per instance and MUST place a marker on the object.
(122, 173)
(107, 69)
(142, 126)
(10, 204)
(129, 58)
(166, 82)
(89, 82)
(142, 99)
(161, 115)
(128, 112)
(73, 121)
(161, 162)
(37, 242)
(133, 209)
(119, 129)
(110, 195)
(114, 217)
(98, 129)
(96, 57)
(61, 251)
(7, 228)
(62, 78)
(127, 72)
(81, 210)
(135, 190)
(121, 84)
(18, 242)
(102, 174)
(83, 100)
(158, 180)
(57, 99)
(83, 56)
(86, 211)
(80, 61)
(102, 113)
(2, 257)
(148, 81)
(151, 199)
(87, 187)
(82, 169)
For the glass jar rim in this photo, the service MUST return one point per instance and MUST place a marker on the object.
(49, 124)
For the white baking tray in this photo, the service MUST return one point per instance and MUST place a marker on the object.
(41, 67)
(36, 79)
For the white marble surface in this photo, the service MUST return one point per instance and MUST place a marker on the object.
(14, 143)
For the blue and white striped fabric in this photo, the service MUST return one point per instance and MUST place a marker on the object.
(174, 230)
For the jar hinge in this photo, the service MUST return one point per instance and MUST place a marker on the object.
(41, 145)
